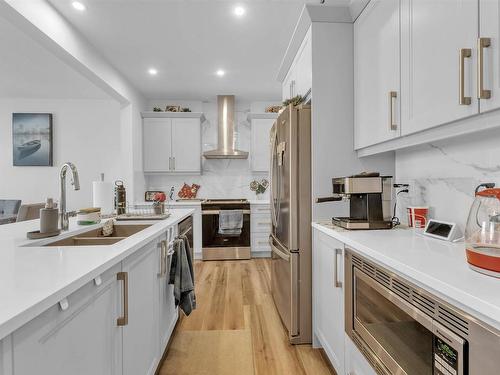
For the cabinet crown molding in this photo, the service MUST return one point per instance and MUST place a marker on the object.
(151, 114)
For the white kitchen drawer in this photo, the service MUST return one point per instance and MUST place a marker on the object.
(260, 223)
(260, 242)
(260, 209)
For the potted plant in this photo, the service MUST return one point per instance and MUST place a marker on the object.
(159, 203)
(259, 187)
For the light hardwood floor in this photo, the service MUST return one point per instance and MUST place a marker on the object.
(236, 328)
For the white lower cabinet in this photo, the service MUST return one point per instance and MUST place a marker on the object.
(168, 312)
(117, 324)
(83, 339)
(260, 228)
(355, 362)
(328, 297)
(141, 352)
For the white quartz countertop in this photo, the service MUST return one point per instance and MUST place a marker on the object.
(438, 266)
(34, 278)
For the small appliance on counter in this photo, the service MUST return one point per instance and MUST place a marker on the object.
(369, 196)
(482, 233)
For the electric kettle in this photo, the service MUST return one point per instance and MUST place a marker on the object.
(482, 233)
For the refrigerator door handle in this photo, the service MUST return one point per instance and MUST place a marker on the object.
(277, 251)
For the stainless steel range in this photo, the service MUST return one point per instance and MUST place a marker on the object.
(218, 245)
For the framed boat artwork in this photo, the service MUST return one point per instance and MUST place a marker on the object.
(32, 135)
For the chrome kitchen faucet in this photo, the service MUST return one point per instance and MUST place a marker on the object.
(75, 181)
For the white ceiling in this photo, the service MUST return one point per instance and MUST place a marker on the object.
(187, 41)
(28, 70)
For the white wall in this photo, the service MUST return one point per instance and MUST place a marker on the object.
(332, 117)
(86, 132)
(443, 175)
(39, 20)
(220, 178)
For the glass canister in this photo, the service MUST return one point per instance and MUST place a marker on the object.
(482, 233)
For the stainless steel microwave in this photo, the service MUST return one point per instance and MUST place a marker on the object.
(404, 330)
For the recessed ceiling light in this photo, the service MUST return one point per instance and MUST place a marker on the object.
(239, 11)
(220, 73)
(152, 71)
(79, 6)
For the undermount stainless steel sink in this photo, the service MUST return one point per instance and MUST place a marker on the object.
(94, 237)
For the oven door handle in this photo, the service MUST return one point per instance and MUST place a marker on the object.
(217, 212)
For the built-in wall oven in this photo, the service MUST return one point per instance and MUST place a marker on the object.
(218, 246)
(402, 329)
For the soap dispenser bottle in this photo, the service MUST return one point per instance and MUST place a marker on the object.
(49, 217)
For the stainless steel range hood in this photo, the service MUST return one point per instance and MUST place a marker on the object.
(225, 147)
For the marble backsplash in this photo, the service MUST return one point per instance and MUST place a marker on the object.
(223, 178)
(444, 174)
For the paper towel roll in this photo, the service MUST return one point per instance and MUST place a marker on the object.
(102, 196)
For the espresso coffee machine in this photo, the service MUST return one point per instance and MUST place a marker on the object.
(369, 196)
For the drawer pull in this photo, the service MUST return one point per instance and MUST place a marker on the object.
(123, 320)
(264, 223)
(463, 100)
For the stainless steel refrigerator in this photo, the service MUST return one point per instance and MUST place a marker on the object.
(291, 220)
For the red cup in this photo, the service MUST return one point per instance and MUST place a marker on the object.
(417, 216)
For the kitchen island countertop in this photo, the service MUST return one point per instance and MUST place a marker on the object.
(437, 266)
(34, 278)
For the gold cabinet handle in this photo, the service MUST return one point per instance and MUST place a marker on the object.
(336, 282)
(163, 258)
(123, 320)
(482, 93)
(392, 117)
(463, 100)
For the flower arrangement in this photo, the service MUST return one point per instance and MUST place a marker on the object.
(159, 203)
(259, 187)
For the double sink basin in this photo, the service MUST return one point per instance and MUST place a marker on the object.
(94, 237)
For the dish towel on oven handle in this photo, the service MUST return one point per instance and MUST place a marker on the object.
(182, 275)
(230, 222)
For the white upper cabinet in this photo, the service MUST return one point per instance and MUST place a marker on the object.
(303, 67)
(489, 27)
(157, 144)
(437, 37)
(377, 73)
(172, 142)
(298, 80)
(186, 145)
(260, 152)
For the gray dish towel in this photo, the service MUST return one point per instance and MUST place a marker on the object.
(182, 276)
(230, 222)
